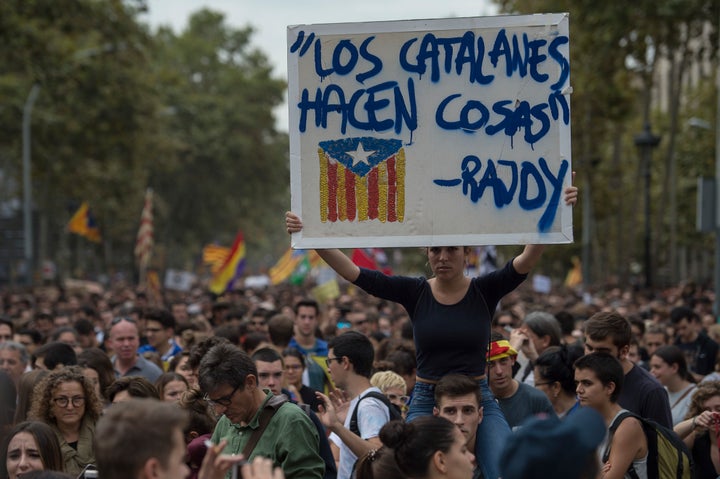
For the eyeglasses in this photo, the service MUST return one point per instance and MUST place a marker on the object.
(223, 401)
(63, 401)
(328, 361)
(395, 397)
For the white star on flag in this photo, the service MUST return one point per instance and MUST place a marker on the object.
(360, 155)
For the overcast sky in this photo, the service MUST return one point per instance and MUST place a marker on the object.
(270, 18)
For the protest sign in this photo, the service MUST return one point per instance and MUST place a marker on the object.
(430, 132)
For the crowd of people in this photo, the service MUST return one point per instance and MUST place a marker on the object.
(451, 376)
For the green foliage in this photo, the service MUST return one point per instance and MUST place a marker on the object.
(121, 109)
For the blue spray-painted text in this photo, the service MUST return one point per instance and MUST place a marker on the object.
(525, 179)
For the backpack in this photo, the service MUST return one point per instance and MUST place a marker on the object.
(394, 411)
(668, 456)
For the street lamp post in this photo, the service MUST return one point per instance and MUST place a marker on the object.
(27, 188)
(645, 143)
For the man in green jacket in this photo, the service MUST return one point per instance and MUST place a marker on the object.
(229, 379)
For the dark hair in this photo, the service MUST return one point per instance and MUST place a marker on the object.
(202, 420)
(567, 322)
(544, 324)
(555, 364)
(415, 443)
(309, 303)
(176, 360)
(96, 359)
(609, 324)
(404, 362)
(454, 385)
(55, 336)
(47, 442)
(26, 387)
(84, 327)
(266, 355)
(200, 349)
(674, 355)
(132, 432)
(8, 322)
(56, 353)
(43, 392)
(8, 398)
(357, 348)
(228, 331)
(606, 367)
(679, 313)
(378, 464)
(35, 335)
(162, 316)
(166, 378)
(225, 364)
(294, 353)
(280, 330)
(136, 386)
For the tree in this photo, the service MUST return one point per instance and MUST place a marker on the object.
(230, 169)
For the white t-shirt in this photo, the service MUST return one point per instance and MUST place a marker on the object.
(371, 417)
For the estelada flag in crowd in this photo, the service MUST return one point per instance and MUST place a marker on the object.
(146, 232)
(232, 268)
(83, 223)
(362, 179)
(215, 256)
(574, 276)
(294, 264)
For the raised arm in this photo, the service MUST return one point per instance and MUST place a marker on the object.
(526, 261)
(335, 258)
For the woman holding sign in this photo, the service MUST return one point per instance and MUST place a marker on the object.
(451, 315)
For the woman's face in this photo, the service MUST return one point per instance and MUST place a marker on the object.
(446, 262)
(67, 404)
(184, 370)
(94, 379)
(174, 390)
(712, 404)
(460, 461)
(662, 371)
(23, 455)
(293, 370)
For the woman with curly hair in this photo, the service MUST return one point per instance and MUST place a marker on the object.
(699, 429)
(66, 401)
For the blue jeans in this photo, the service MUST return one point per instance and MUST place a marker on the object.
(492, 432)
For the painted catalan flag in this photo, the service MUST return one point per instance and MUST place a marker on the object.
(83, 223)
(362, 179)
(232, 269)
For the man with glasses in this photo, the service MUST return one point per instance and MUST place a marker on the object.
(229, 379)
(160, 333)
(350, 362)
(124, 339)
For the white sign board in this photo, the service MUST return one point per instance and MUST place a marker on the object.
(430, 132)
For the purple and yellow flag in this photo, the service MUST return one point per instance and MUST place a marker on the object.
(232, 268)
(362, 179)
(83, 223)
